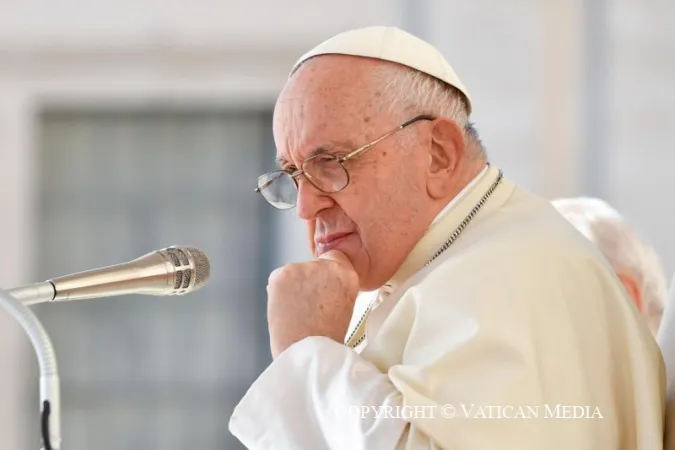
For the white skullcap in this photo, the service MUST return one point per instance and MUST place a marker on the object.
(390, 44)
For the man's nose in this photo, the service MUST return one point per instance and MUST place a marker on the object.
(311, 200)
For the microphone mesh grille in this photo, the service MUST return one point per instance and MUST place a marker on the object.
(202, 266)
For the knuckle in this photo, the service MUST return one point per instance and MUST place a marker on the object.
(274, 276)
(319, 265)
(284, 273)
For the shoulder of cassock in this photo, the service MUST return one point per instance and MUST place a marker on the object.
(523, 262)
(523, 246)
(521, 309)
(521, 257)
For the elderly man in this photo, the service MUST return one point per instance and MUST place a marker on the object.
(636, 264)
(494, 320)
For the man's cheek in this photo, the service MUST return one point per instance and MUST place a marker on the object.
(310, 236)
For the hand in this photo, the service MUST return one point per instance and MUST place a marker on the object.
(311, 299)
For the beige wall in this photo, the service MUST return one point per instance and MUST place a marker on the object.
(640, 168)
(15, 227)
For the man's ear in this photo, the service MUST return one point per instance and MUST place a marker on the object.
(633, 288)
(446, 151)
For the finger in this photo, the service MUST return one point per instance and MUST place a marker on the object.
(338, 257)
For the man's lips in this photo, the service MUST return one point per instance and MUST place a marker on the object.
(330, 241)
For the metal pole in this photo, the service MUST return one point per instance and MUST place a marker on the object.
(50, 402)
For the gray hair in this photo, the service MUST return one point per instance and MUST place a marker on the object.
(408, 89)
(622, 247)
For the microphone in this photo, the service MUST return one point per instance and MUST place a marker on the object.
(170, 271)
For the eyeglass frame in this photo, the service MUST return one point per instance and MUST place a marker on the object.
(340, 159)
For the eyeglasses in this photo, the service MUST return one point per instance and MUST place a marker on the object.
(326, 172)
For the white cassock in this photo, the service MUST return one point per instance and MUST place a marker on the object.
(516, 325)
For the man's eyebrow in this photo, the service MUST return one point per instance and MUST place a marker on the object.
(327, 149)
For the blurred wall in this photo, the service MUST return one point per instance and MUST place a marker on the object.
(570, 99)
(639, 161)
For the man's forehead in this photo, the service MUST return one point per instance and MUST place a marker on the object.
(326, 107)
(306, 132)
(301, 136)
(340, 66)
(334, 86)
(346, 77)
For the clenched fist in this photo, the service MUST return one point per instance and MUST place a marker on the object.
(311, 299)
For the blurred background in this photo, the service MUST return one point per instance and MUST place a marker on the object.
(129, 126)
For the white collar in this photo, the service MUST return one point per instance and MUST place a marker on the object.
(461, 194)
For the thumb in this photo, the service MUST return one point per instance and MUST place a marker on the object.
(338, 257)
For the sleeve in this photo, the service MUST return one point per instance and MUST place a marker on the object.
(456, 362)
(310, 398)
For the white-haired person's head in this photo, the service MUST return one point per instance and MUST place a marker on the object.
(634, 261)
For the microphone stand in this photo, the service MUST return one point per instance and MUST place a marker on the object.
(50, 404)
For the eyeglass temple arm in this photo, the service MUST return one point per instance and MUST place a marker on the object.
(415, 119)
(368, 146)
(358, 150)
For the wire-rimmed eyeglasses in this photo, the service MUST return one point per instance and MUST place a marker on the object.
(326, 172)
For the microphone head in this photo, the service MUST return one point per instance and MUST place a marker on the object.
(191, 268)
